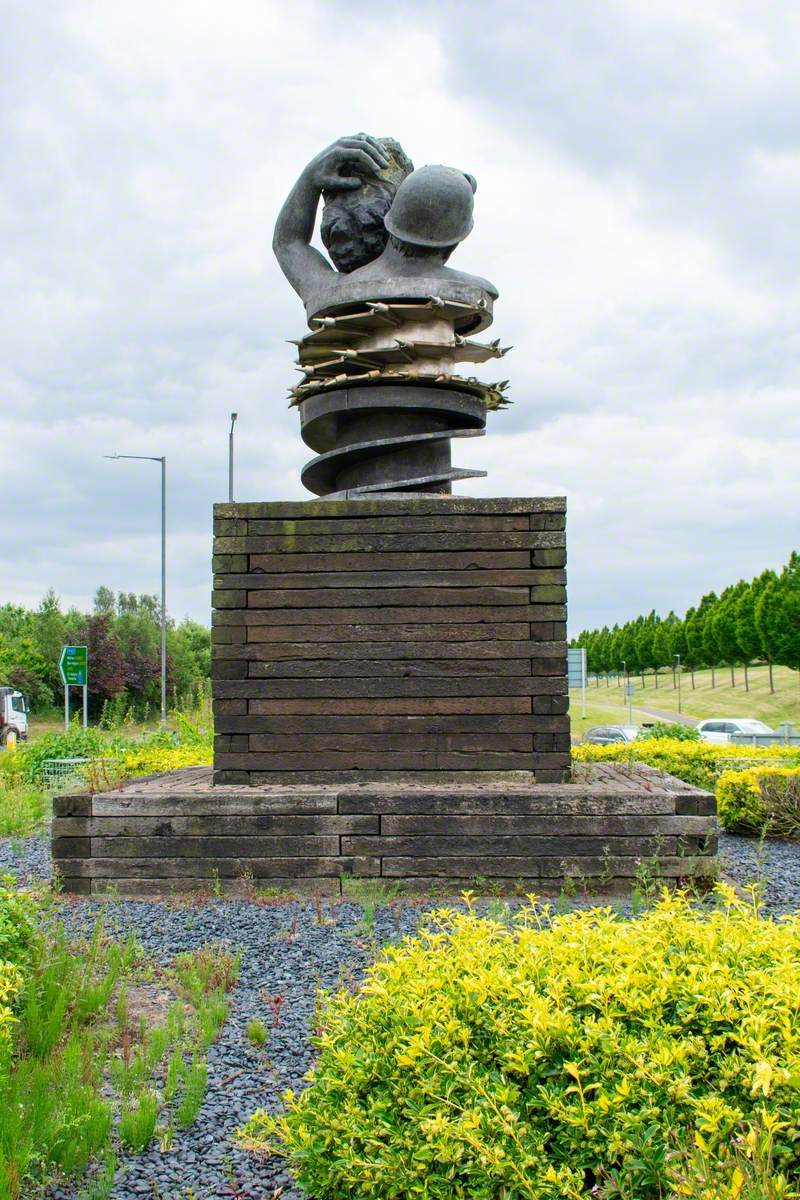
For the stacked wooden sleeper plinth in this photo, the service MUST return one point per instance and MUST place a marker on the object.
(180, 833)
(373, 639)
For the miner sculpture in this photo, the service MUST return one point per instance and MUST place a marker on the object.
(381, 394)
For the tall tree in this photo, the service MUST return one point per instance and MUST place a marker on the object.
(693, 634)
(747, 633)
(644, 643)
(768, 617)
(723, 624)
(787, 615)
(710, 647)
(678, 648)
(662, 645)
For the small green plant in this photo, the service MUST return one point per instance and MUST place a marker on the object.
(211, 1016)
(257, 1032)
(647, 880)
(166, 1135)
(200, 972)
(569, 884)
(173, 1075)
(606, 875)
(101, 1184)
(194, 1090)
(370, 894)
(137, 1123)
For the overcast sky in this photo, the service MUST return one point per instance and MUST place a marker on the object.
(638, 167)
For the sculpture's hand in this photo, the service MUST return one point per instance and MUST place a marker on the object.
(343, 165)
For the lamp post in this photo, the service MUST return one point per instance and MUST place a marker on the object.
(163, 461)
(628, 695)
(230, 458)
(676, 658)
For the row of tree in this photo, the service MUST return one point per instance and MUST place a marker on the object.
(750, 622)
(123, 634)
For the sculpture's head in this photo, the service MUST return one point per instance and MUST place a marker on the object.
(432, 210)
(352, 229)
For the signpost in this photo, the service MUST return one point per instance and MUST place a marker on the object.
(576, 672)
(74, 669)
(629, 690)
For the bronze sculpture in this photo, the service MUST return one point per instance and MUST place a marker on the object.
(380, 396)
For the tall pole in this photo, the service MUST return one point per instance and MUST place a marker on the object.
(677, 659)
(159, 459)
(163, 592)
(230, 458)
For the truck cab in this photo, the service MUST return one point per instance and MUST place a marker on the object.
(13, 715)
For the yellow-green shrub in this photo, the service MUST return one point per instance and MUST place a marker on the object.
(545, 1056)
(150, 760)
(10, 986)
(698, 763)
(760, 798)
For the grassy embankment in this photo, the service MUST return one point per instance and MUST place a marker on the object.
(606, 705)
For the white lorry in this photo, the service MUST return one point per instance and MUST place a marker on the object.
(13, 715)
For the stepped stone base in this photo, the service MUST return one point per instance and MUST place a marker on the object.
(179, 832)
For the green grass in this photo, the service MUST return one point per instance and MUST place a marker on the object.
(23, 809)
(606, 705)
(76, 1067)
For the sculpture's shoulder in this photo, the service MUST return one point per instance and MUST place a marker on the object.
(475, 281)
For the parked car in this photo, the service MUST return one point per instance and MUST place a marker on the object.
(604, 735)
(720, 729)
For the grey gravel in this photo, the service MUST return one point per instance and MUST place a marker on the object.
(205, 1162)
(772, 864)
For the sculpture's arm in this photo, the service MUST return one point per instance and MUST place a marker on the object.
(301, 263)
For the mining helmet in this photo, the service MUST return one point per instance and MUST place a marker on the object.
(432, 207)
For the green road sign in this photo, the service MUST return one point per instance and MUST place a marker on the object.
(74, 666)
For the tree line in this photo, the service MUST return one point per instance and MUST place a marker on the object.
(749, 622)
(123, 634)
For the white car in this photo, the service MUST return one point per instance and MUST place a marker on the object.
(720, 729)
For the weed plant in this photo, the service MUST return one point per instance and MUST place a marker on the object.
(137, 1124)
(24, 808)
(65, 1034)
(257, 1032)
(194, 1076)
(370, 894)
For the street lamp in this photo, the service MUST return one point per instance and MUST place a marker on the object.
(676, 658)
(163, 461)
(230, 458)
(628, 692)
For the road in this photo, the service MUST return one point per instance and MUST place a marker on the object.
(672, 718)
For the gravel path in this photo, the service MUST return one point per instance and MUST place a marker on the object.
(204, 1162)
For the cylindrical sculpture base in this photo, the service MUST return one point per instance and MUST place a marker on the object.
(387, 438)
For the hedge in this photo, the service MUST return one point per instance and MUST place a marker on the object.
(543, 1057)
(760, 800)
(698, 763)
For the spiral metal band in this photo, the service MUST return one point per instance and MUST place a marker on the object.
(385, 439)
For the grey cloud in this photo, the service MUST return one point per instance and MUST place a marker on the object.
(652, 281)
